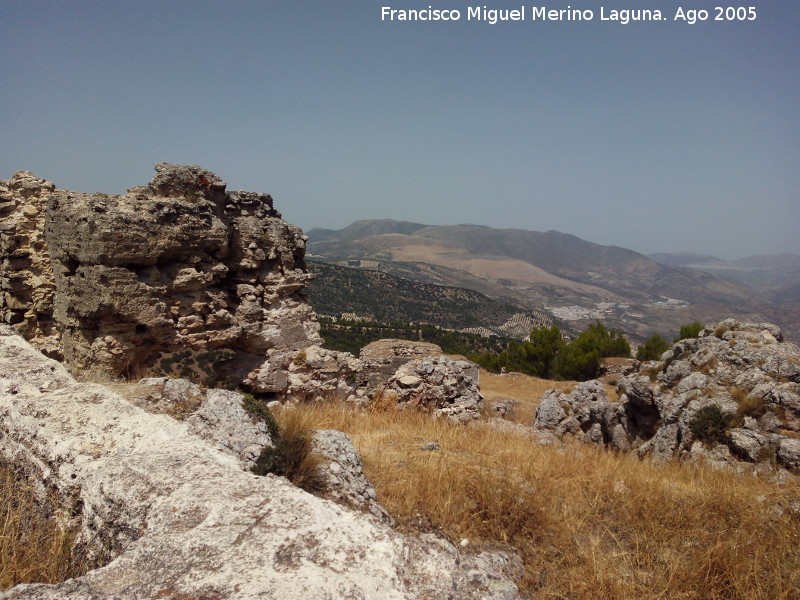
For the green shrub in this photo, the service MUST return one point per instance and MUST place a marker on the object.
(580, 359)
(692, 330)
(653, 348)
(710, 425)
(576, 364)
(542, 349)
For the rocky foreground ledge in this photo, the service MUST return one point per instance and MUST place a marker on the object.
(184, 520)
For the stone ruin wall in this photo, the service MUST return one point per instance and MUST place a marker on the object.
(185, 279)
(27, 287)
(179, 277)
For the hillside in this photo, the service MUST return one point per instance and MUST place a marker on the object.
(384, 298)
(773, 276)
(573, 279)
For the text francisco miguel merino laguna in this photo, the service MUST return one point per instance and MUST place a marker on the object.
(535, 13)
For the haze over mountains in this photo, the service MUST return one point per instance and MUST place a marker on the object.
(776, 275)
(573, 279)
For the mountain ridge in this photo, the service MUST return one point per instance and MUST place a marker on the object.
(562, 273)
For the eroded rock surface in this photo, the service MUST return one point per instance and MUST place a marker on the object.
(731, 395)
(183, 520)
(27, 286)
(437, 384)
(179, 276)
(340, 475)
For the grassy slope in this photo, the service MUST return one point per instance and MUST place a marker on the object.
(588, 523)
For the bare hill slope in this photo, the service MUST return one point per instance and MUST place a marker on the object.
(574, 279)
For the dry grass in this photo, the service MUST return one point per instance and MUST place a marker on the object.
(526, 390)
(589, 524)
(291, 455)
(33, 547)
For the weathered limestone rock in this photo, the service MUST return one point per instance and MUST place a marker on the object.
(177, 398)
(437, 384)
(747, 443)
(217, 416)
(341, 477)
(585, 413)
(183, 520)
(742, 372)
(223, 421)
(27, 286)
(179, 276)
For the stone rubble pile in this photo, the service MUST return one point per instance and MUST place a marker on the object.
(437, 384)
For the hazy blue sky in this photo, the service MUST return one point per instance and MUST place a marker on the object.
(659, 136)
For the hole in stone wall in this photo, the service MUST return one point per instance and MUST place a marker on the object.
(71, 265)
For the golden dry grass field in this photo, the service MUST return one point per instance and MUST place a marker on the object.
(588, 523)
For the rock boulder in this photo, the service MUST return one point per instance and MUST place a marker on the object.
(731, 395)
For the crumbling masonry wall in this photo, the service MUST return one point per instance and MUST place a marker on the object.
(179, 276)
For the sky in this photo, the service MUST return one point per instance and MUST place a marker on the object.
(658, 136)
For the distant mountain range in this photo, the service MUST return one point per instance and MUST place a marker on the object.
(570, 278)
(777, 276)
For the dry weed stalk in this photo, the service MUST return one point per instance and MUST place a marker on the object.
(34, 546)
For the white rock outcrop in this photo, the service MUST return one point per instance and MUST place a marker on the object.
(183, 520)
(730, 395)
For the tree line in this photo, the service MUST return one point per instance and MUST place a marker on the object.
(549, 356)
(546, 354)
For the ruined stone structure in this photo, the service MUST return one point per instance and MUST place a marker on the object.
(27, 287)
(182, 278)
(179, 276)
